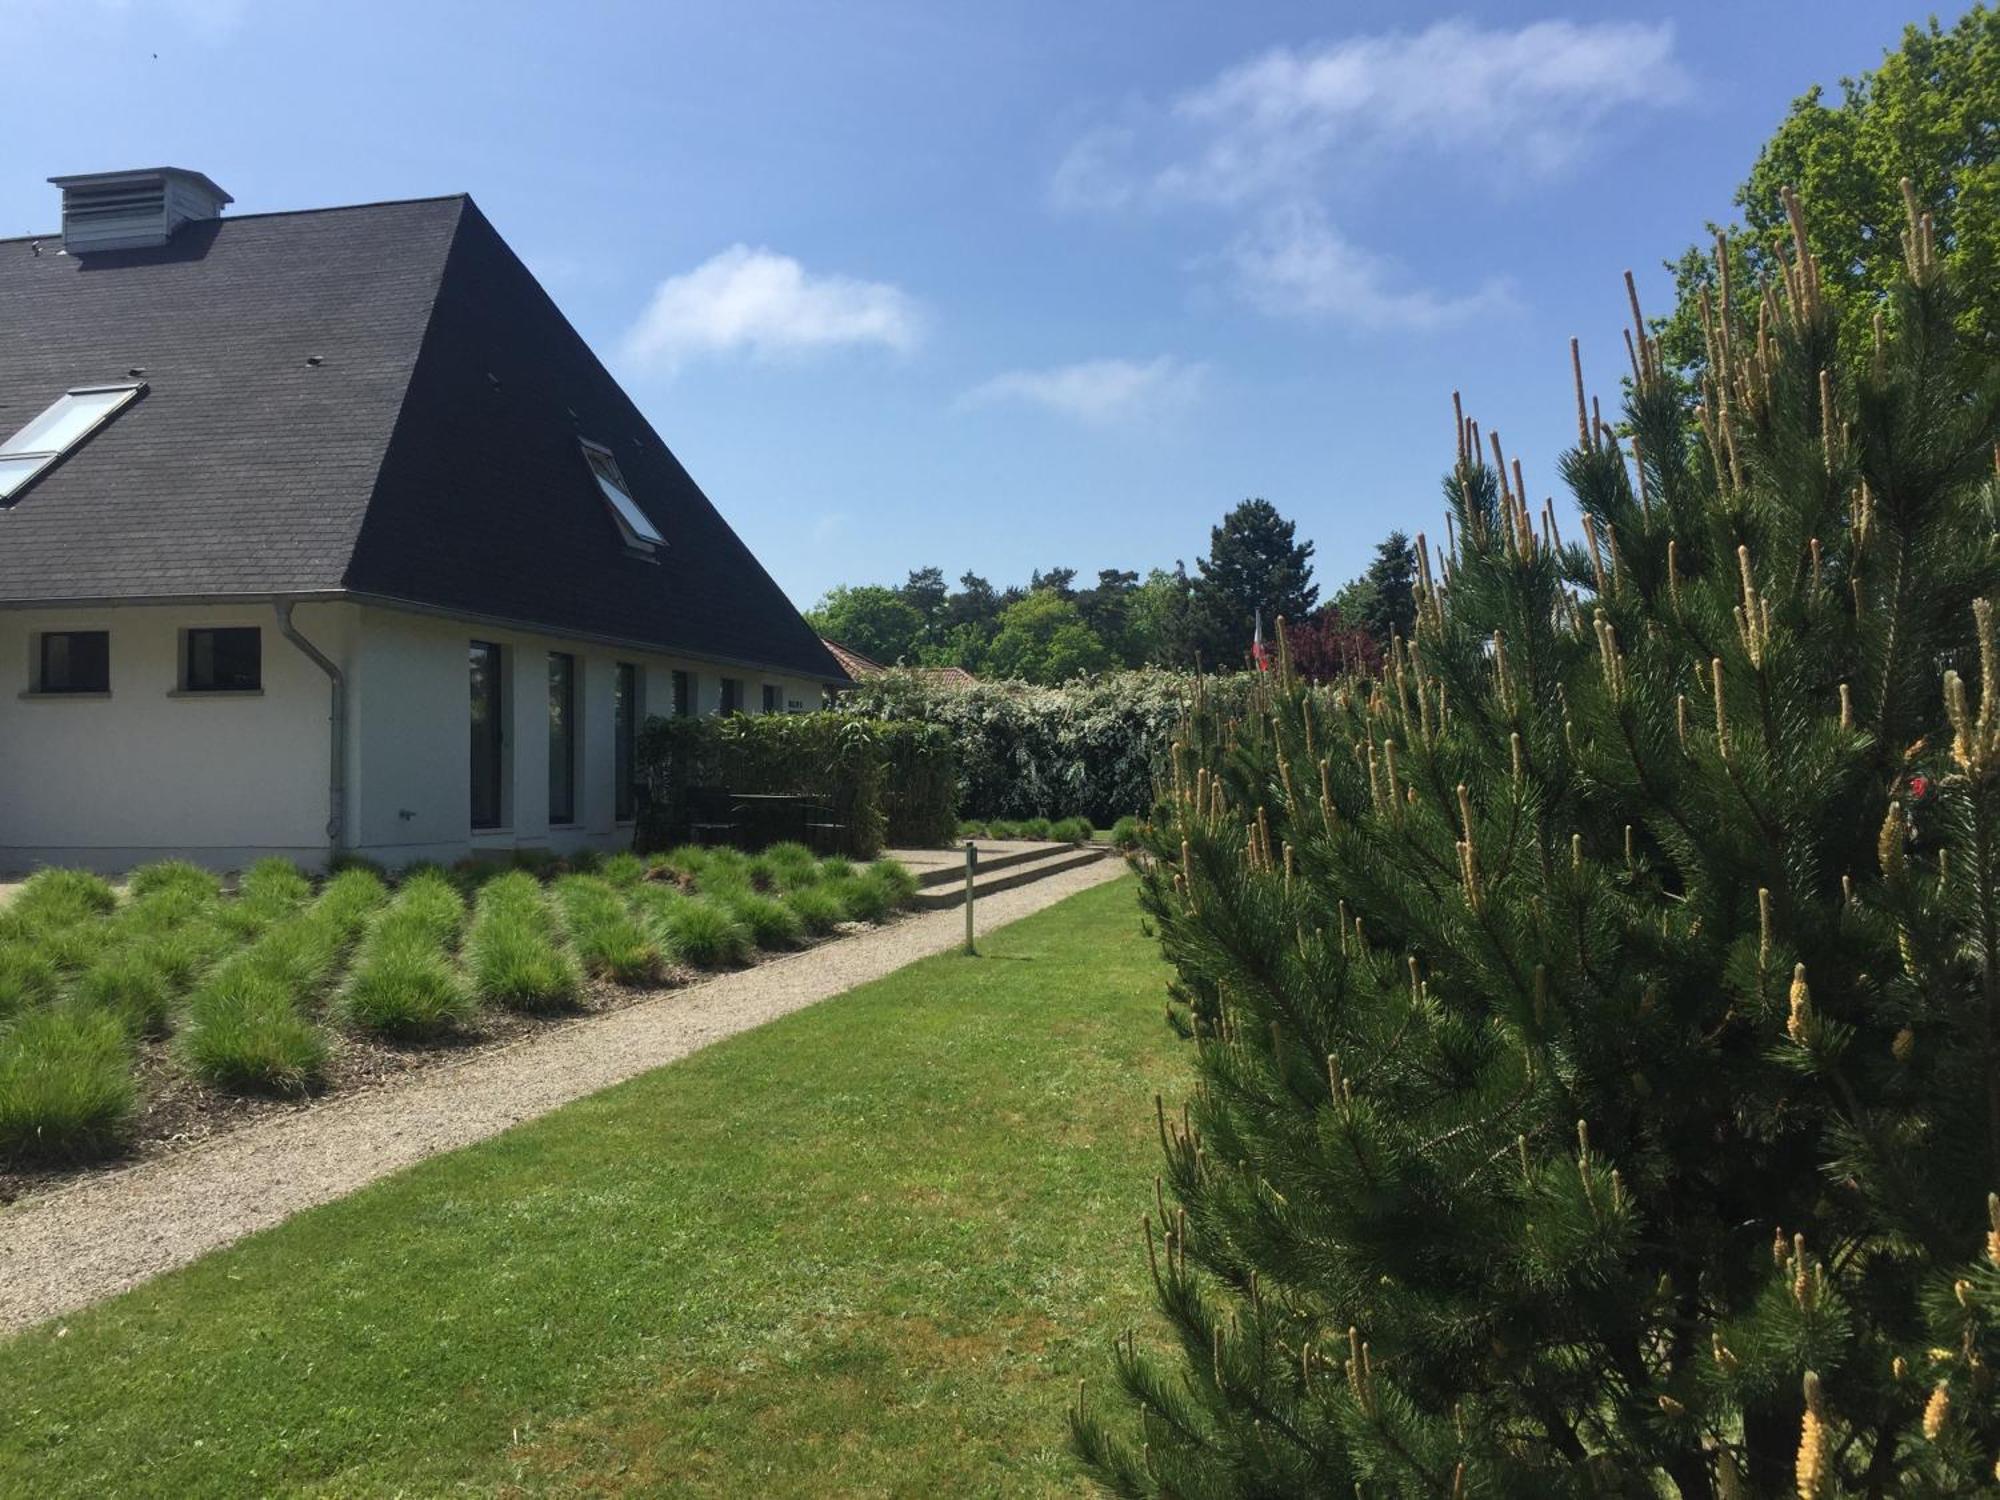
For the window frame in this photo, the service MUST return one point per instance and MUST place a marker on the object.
(496, 754)
(563, 814)
(641, 534)
(774, 699)
(38, 677)
(32, 463)
(187, 687)
(627, 685)
(684, 693)
(729, 699)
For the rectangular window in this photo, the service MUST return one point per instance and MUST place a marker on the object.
(771, 704)
(624, 737)
(683, 695)
(732, 696)
(224, 660)
(74, 661)
(637, 529)
(562, 737)
(487, 735)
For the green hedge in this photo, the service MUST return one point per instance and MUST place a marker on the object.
(920, 799)
(1093, 746)
(840, 760)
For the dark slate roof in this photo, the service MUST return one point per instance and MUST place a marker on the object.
(379, 400)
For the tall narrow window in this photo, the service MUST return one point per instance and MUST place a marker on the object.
(683, 695)
(771, 704)
(562, 737)
(487, 735)
(732, 696)
(624, 737)
(74, 661)
(223, 660)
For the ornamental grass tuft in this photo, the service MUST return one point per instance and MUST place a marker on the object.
(607, 939)
(173, 875)
(769, 921)
(66, 1090)
(246, 1034)
(703, 933)
(404, 986)
(818, 906)
(863, 899)
(129, 984)
(27, 978)
(896, 880)
(52, 897)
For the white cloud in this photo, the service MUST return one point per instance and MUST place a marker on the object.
(1297, 262)
(1098, 391)
(1270, 141)
(757, 302)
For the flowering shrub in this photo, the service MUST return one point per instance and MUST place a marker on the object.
(1092, 746)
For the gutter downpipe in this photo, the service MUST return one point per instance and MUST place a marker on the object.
(336, 779)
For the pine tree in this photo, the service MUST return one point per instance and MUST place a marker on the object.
(1255, 563)
(1390, 590)
(1596, 1015)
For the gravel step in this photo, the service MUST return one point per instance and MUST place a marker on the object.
(1008, 874)
(952, 871)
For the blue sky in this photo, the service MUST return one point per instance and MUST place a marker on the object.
(999, 286)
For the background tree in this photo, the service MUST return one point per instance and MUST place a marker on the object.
(1106, 607)
(1597, 1019)
(925, 592)
(1043, 638)
(1255, 563)
(1324, 647)
(876, 621)
(1162, 618)
(1927, 113)
(1389, 605)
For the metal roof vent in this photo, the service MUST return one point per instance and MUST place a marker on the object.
(133, 210)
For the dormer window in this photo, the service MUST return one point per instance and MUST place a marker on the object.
(76, 414)
(640, 534)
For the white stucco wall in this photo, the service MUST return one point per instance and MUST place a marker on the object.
(143, 774)
(148, 772)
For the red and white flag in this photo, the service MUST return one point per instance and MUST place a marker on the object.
(1259, 653)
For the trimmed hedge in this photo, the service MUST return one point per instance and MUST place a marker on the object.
(1093, 747)
(834, 758)
(920, 798)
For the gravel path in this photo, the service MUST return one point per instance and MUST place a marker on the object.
(100, 1235)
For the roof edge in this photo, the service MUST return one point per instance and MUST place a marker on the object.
(275, 213)
(415, 607)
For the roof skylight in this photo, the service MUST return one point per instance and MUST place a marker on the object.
(639, 531)
(76, 414)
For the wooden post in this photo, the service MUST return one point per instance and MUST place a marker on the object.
(971, 871)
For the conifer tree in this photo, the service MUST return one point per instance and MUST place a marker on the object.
(1596, 1015)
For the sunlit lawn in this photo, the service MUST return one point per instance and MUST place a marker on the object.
(867, 1249)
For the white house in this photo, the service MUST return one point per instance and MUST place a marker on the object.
(325, 531)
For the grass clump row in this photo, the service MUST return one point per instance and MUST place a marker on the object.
(405, 983)
(513, 953)
(66, 1089)
(249, 1028)
(238, 978)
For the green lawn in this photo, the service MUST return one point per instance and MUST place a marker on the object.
(867, 1249)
